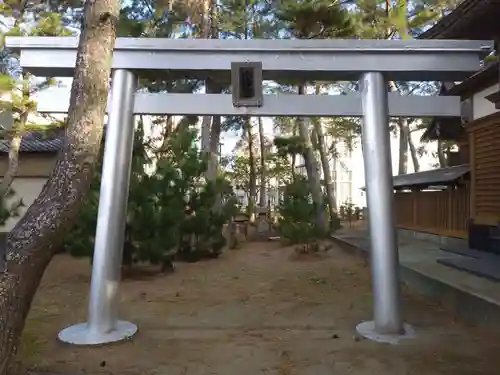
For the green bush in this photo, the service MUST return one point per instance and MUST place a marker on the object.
(172, 213)
(297, 223)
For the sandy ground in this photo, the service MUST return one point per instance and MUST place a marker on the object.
(257, 310)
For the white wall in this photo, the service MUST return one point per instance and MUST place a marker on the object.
(480, 105)
(26, 189)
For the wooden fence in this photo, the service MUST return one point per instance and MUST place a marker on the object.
(442, 212)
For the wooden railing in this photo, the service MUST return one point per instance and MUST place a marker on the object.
(443, 212)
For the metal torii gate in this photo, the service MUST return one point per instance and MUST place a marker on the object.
(373, 62)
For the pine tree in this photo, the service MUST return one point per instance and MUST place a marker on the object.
(401, 19)
(172, 196)
(18, 89)
(309, 20)
(297, 222)
(173, 188)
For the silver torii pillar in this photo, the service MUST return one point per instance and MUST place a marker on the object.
(311, 60)
(103, 325)
(387, 325)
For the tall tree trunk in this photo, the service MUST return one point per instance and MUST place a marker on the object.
(335, 164)
(210, 128)
(15, 145)
(32, 242)
(13, 165)
(312, 169)
(205, 28)
(294, 157)
(414, 155)
(404, 134)
(440, 154)
(206, 123)
(213, 160)
(252, 181)
(403, 145)
(210, 133)
(169, 126)
(327, 174)
(263, 185)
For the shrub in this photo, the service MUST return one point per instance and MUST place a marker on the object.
(173, 213)
(297, 222)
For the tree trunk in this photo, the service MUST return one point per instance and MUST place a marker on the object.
(414, 154)
(213, 151)
(312, 169)
(293, 161)
(327, 174)
(12, 166)
(210, 135)
(263, 185)
(169, 126)
(440, 154)
(214, 135)
(335, 167)
(205, 133)
(404, 133)
(210, 126)
(403, 145)
(252, 181)
(32, 242)
(205, 33)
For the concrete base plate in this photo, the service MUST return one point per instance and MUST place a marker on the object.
(367, 330)
(79, 334)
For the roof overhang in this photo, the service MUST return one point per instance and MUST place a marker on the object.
(436, 177)
(484, 78)
(472, 19)
(445, 129)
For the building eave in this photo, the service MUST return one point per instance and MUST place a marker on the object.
(462, 22)
(485, 78)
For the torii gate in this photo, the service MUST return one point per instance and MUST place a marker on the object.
(244, 64)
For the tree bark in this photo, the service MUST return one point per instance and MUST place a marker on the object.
(210, 126)
(404, 136)
(213, 151)
(32, 242)
(312, 169)
(440, 154)
(215, 130)
(252, 181)
(327, 174)
(210, 135)
(263, 185)
(206, 123)
(293, 158)
(13, 164)
(414, 155)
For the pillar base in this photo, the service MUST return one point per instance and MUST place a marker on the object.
(367, 330)
(79, 334)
